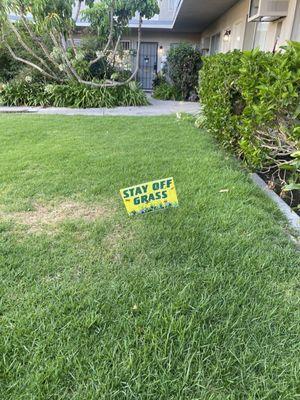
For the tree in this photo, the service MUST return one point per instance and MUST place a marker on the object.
(45, 32)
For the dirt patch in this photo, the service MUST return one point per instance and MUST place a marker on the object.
(47, 217)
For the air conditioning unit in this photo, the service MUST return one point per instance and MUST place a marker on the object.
(267, 10)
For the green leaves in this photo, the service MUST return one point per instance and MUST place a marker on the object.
(183, 65)
(72, 95)
(46, 25)
(250, 102)
(291, 187)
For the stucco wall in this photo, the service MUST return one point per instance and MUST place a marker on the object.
(288, 23)
(276, 33)
(234, 16)
(164, 40)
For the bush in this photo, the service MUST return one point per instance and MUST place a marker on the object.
(158, 80)
(30, 94)
(250, 104)
(182, 67)
(8, 67)
(166, 91)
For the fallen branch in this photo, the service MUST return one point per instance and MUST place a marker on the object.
(31, 64)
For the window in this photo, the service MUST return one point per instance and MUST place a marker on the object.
(205, 44)
(215, 43)
(254, 7)
(237, 36)
(174, 45)
(125, 45)
(250, 29)
(261, 35)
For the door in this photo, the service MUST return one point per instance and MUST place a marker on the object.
(148, 64)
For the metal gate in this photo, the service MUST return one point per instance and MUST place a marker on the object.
(148, 64)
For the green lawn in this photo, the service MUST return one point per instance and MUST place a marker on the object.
(195, 303)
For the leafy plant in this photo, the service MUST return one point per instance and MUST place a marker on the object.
(249, 101)
(23, 93)
(159, 79)
(166, 91)
(46, 41)
(8, 67)
(182, 68)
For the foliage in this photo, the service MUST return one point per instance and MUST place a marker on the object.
(33, 94)
(47, 40)
(159, 79)
(166, 91)
(8, 67)
(249, 103)
(182, 68)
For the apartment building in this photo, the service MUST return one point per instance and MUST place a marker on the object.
(158, 36)
(214, 26)
(263, 24)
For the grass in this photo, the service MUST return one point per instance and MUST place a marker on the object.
(195, 303)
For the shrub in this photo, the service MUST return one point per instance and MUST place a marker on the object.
(182, 67)
(158, 80)
(8, 67)
(20, 93)
(250, 104)
(166, 91)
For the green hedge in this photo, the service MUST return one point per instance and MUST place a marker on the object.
(250, 102)
(166, 91)
(183, 65)
(73, 95)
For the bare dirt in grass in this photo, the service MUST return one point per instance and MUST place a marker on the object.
(47, 217)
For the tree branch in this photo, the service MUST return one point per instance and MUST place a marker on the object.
(133, 75)
(74, 47)
(28, 49)
(56, 44)
(78, 11)
(72, 70)
(37, 40)
(31, 64)
(73, 44)
(116, 47)
(110, 36)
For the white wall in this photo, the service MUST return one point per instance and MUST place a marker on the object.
(296, 28)
(164, 39)
(233, 20)
(288, 23)
(266, 36)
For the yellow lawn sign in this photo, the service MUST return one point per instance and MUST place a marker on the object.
(150, 196)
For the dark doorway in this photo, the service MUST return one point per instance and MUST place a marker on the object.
(148, 64)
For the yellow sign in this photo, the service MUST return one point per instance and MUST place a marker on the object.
(151, 196)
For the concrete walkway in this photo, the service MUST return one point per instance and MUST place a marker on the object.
(157, 107)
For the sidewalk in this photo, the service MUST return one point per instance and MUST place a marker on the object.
(157, 107)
